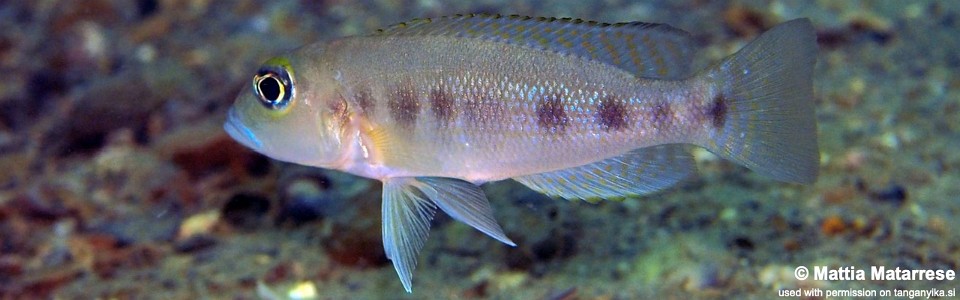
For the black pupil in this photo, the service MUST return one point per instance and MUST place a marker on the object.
(269, 88)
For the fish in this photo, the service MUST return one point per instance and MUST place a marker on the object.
(570, 108)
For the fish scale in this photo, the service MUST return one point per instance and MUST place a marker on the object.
(569, 108)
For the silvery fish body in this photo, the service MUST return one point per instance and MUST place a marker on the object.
(574, 109)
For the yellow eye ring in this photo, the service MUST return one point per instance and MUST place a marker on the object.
(273, 86)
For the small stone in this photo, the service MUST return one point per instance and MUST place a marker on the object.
(853, 160)
(198, 224)
(509, 280)
(743, 243)
(305, 200)
(857, 85)
(245, 211)
(889, 140)
(195, 243)
(146, 53)
(832, 225)
(555, 246)
(357, 245)
(705, 278)
(11, 266)
(728, 214)
(303, 290)
(914, 10)
(743, 21)
(938, 224)
(894, 193)
(839, 194)
(791, 245)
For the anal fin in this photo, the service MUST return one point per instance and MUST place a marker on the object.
(637, 172)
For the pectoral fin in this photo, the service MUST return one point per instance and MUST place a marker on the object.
(637, 172)
(408, 206)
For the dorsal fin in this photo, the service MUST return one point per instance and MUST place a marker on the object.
(644, 49)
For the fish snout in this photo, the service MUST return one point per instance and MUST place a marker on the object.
(240, 132)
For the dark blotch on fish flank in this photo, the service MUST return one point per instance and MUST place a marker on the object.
(551, 113)
(612, 114)
(442, 105)
(404, 107)
(718, 111)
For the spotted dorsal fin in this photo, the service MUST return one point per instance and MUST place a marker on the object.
(645, 49)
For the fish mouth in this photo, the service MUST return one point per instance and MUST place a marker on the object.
(235, 128)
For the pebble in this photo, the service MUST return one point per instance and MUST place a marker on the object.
(195, 243)
(245, 211)
(833, 225)
(305, 201)
(894, 193)
(198, 224)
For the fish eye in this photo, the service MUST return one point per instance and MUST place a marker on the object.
(273, 86)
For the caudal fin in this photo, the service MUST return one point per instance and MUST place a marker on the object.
(765, 95)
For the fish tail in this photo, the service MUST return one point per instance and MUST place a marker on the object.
(763, 107)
